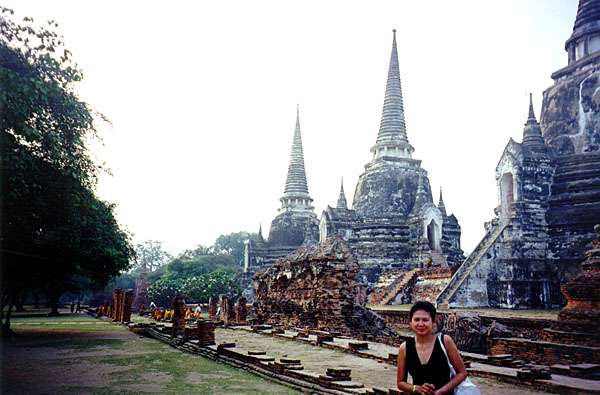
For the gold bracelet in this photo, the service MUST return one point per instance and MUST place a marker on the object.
(414, 388)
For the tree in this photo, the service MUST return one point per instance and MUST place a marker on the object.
(234, 245)
(195, 253)
(151, 255)
(163, 291)
(200, 289)
(56, 234)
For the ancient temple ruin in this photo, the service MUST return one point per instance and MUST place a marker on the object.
(393, 222)
(294, 226)
(317, 288)
(548, 191)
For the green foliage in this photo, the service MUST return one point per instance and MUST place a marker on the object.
(56, 234)
(201, 288)
(233, 244)
(197, 289)
(163, 291)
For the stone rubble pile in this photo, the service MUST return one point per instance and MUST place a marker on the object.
(316, 288)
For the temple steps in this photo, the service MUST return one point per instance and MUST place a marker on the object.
(463, 271)
(398, 285)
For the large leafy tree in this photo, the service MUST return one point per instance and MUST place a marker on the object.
(56, 234)
(151, 255)
(233, 244)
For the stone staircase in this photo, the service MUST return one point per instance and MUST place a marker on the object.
(398, 285)
(463, 271)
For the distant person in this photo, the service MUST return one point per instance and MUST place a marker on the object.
(424, 358)
(198, 309)
(78, 306)
(72, 306)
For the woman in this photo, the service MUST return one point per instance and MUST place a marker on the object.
(424, 358)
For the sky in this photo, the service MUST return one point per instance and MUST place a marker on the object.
(202, 98)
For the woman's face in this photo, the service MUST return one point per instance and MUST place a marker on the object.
(421, 322)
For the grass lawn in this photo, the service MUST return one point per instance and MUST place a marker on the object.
(78, 354)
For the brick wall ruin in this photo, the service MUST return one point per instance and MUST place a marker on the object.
(122, 301)
(316, 288)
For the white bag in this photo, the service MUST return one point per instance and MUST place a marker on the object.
(466, 387)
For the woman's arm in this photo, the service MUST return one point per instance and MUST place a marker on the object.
(457, 362)
(403, 385)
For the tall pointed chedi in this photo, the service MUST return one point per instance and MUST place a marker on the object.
(295, 196)
(389, 184)
(296, 224)
(393, 223)
(392, 139)
(342, 203)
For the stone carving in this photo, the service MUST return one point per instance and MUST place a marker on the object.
(316, 288)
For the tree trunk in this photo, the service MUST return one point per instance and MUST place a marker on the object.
(20, 301)
(53, 302)
(6, 331)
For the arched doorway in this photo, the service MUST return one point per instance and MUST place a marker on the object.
(506, 196)
(433, 238)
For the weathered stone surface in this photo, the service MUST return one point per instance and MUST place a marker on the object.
(583, 293)
(571, 110)
(467, 331)
(316, 288)
(496, 329)
(406, 287)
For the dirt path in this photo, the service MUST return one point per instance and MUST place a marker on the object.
(317, 359)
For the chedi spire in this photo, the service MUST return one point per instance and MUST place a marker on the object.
(392, 140)
(342, 203)
(532, 132)
(295, 196)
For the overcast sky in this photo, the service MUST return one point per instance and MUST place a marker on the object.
(202, 97)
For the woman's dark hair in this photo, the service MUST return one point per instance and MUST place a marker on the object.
(422, 305)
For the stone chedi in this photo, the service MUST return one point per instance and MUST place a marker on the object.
(548, 191)
(393, 223)
(316, 288)
(294, 226)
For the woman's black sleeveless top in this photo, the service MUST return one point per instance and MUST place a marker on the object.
(435, 371)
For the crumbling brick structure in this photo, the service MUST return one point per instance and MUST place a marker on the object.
(226, 310)
(212, 308)
(241, 311)
(122, 301)
(316, 288)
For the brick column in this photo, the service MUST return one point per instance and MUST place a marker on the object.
(241, 311)
(212, 308)
(222, 308)
(115, 305)
(127, 303)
